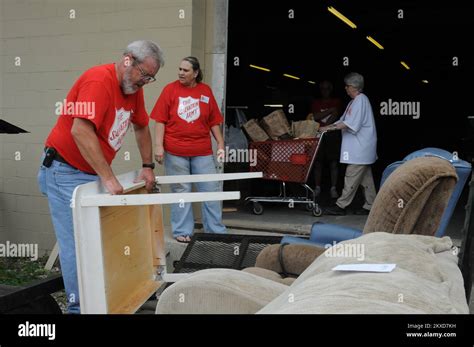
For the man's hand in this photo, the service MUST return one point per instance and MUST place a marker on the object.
(159, 154)
(113, 185)
(147, 175)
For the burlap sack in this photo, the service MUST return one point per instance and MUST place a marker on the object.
(276, 125)
(254, 131)
(304, 129)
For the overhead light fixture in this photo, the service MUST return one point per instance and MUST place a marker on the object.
(405, 65)
(341, 17)
(260, 68)
(312, 82)
(291, 76)
(274, 105)
(371, 39)
(425, 81)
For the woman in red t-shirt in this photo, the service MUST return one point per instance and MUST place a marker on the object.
(186, 113)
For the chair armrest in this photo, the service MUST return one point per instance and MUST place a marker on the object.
(219, 291)
(295, 258)
(324, 234)
(299, 240)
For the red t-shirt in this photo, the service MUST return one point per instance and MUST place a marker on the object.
(321, 105)
(97, 96)
(188, 115)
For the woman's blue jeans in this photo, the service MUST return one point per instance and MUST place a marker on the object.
(58, 183)
(182, 219)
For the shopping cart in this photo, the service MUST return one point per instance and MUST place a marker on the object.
(286, 161)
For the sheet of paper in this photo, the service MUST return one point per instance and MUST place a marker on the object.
(365, 267)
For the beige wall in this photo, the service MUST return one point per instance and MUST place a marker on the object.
(2, 220)
(55, 50)
(209, 42)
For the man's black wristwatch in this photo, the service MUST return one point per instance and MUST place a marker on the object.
(151, 166)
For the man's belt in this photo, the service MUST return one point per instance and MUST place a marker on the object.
(51, 154)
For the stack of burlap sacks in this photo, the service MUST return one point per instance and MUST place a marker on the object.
(275, 126)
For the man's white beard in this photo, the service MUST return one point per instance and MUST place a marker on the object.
(127, 86)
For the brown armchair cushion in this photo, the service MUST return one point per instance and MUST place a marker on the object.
(296, 258)
(413, 198)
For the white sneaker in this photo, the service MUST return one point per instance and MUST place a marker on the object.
(334, 193)
(317, 191)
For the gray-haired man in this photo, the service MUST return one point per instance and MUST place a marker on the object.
(93, 121)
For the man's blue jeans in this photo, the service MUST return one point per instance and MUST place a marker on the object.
(182, 219)
(58, 183)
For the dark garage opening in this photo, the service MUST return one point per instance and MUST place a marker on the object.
(304, 39)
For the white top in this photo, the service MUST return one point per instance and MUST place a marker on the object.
(359, 139)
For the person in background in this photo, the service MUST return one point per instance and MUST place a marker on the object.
(326, 110)
(186, 113)
(358, 148)
(85, 140)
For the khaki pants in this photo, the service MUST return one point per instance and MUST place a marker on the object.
(357, 175)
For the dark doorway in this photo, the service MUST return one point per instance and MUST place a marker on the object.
(304, 39)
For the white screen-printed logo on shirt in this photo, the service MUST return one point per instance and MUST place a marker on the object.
(325, 119)
(188, 109)
(119, 128)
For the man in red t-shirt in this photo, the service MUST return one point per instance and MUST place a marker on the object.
(326, 110)
(92, 123)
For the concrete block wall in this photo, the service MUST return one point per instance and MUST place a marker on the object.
(209, 43)
(2, 220)
(55, 41)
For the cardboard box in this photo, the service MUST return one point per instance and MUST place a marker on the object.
(276, 125)
(255, 132)
(304, 129)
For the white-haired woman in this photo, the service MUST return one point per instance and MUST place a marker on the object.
(358, 148)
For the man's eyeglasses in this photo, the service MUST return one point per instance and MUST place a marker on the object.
(145, 77)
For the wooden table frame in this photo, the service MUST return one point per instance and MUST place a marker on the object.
(119, 239)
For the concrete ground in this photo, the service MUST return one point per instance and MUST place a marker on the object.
(278, 219)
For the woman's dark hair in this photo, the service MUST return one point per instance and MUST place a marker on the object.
(196, 67)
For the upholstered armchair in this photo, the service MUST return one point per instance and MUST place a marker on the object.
(411, 201)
